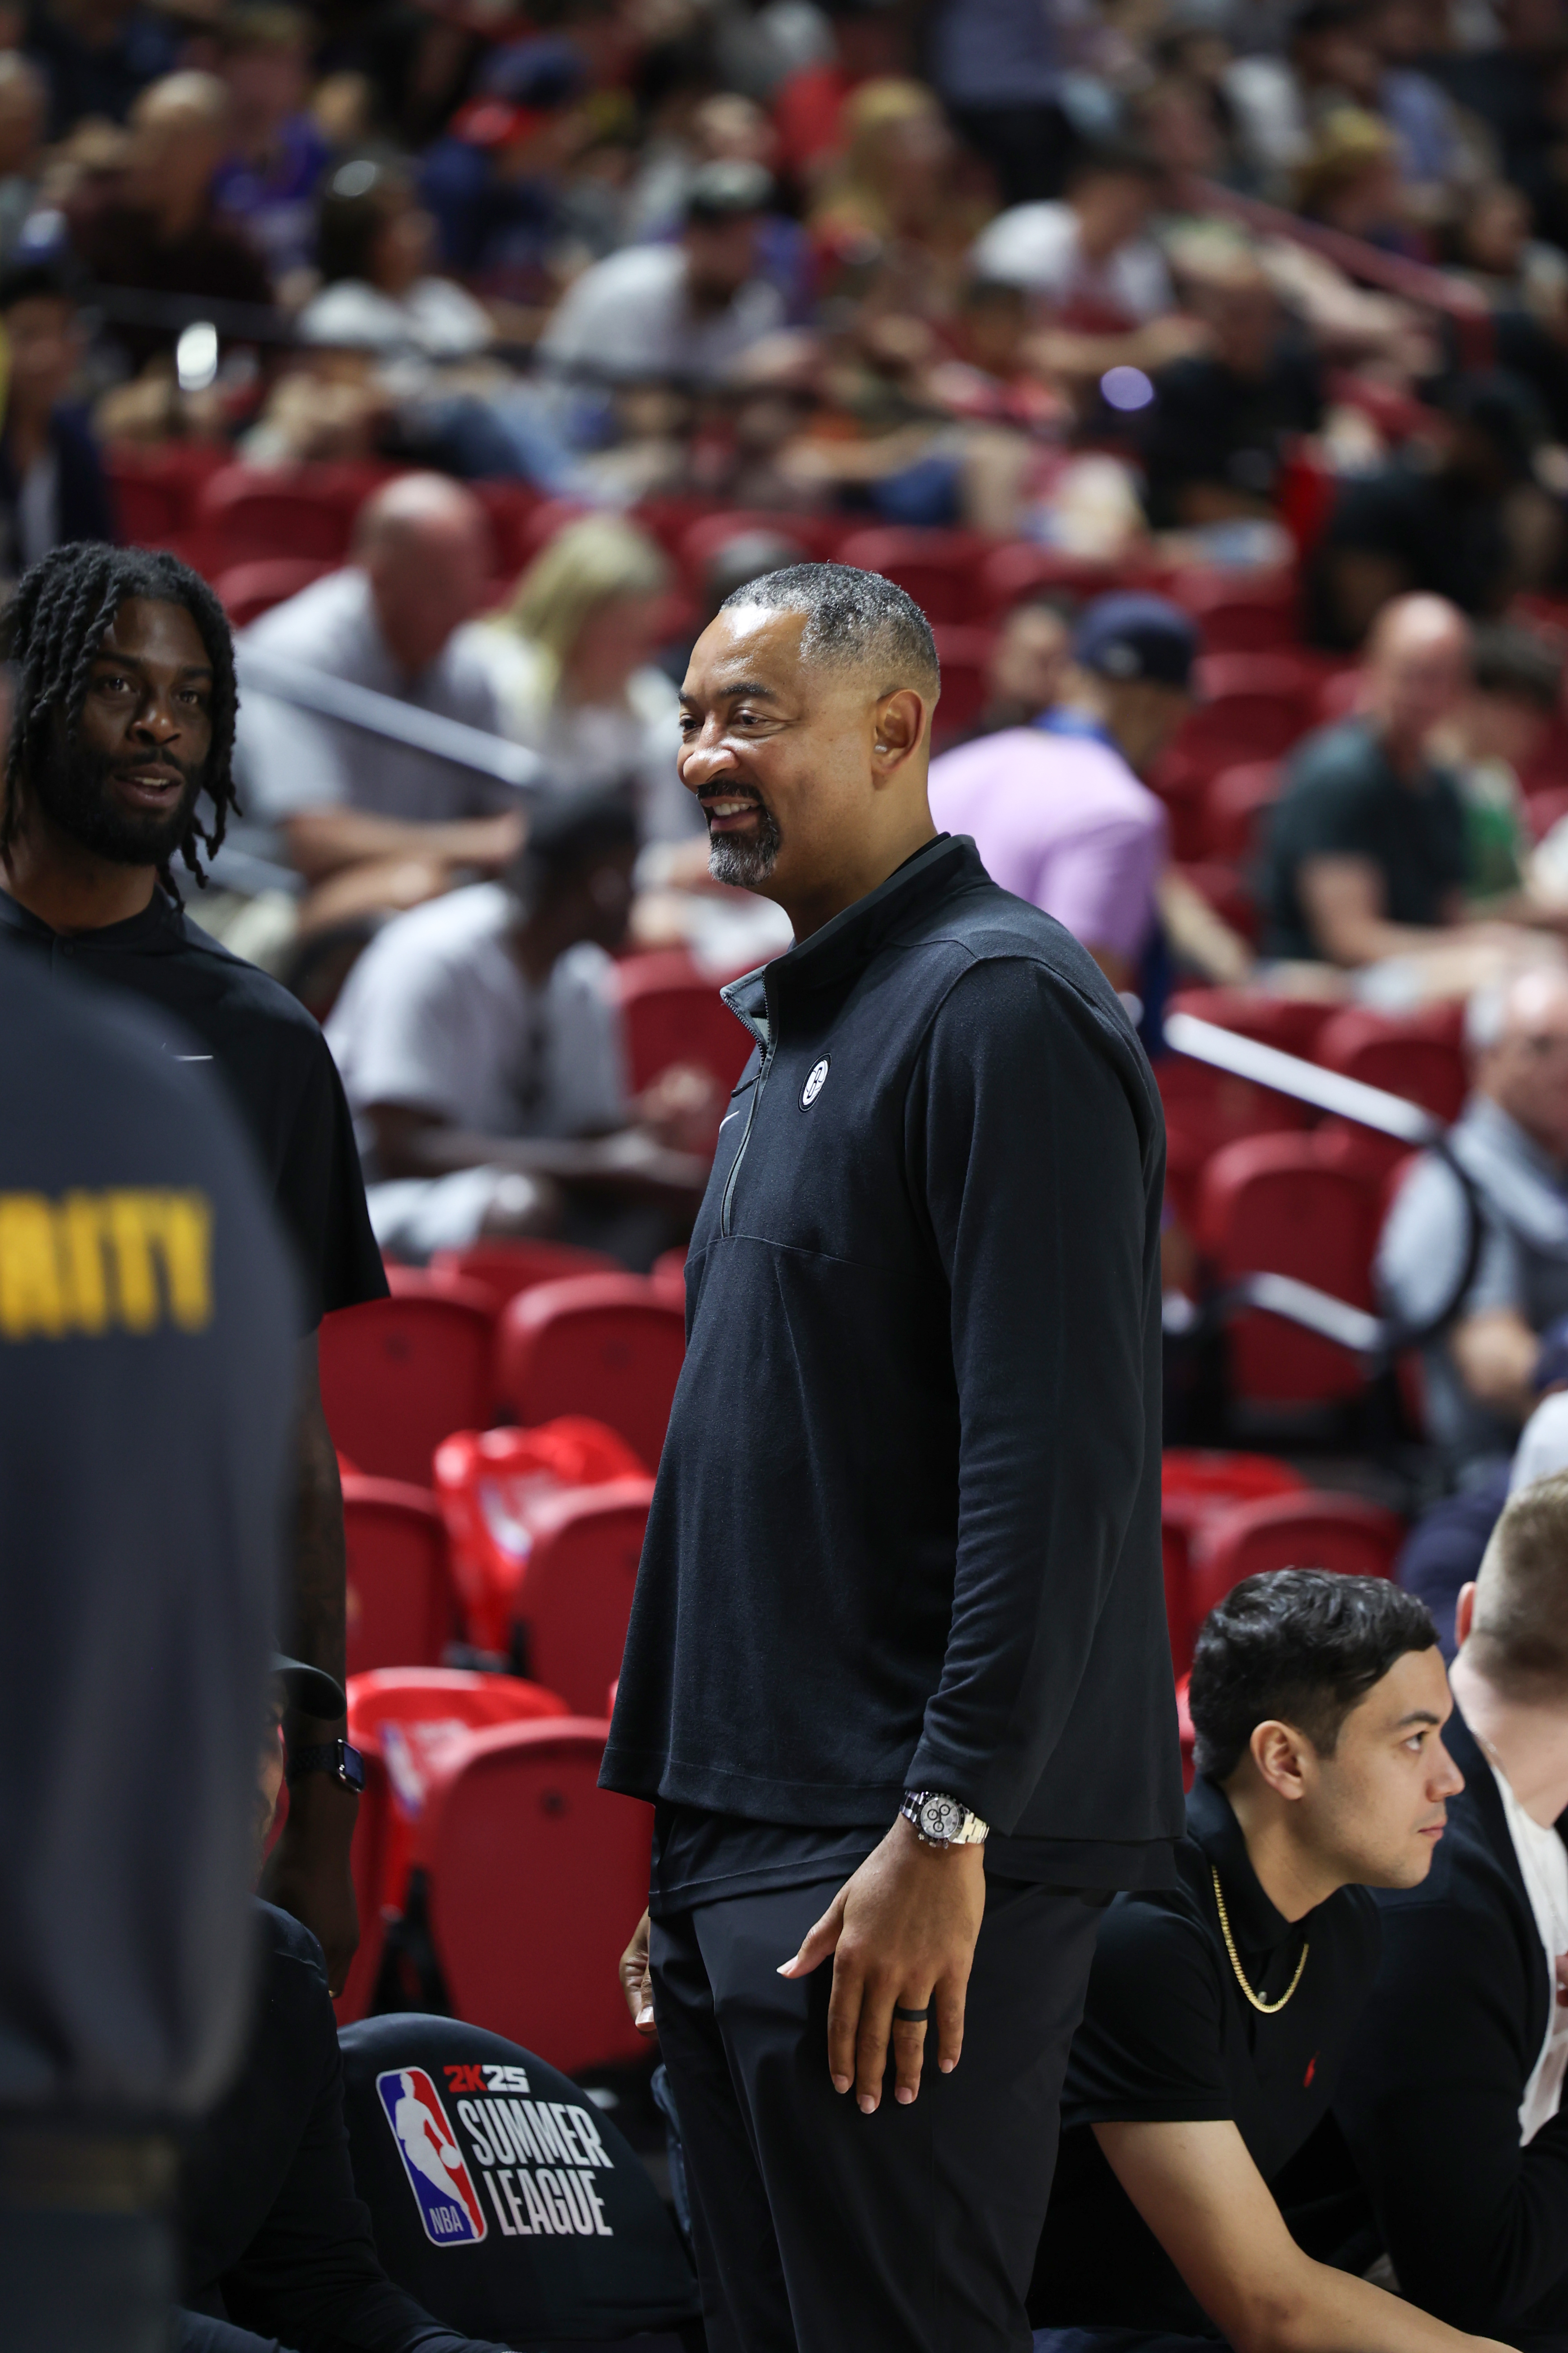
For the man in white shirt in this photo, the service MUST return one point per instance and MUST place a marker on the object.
(480, 1049)
(683, 311)
(1091, 257)
(381, 823)
(1452, 2100)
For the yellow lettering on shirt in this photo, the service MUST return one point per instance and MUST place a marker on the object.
(130, 1259)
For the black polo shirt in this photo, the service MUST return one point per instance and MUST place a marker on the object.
(1169, 2037)
(1342, 799)
(263, 1045)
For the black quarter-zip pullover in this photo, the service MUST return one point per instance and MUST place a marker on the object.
(906, 1531)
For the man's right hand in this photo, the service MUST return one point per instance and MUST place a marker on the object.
(636, 1979)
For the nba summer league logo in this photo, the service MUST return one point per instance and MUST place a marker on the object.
(538, 2159)
(442, 2184)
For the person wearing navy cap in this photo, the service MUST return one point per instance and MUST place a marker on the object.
(1057, 809)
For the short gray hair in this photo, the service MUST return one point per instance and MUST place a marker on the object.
(852, 618)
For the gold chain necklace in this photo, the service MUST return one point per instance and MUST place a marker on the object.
(1267, 2008)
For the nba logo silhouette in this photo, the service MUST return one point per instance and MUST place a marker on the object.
(448, 2204)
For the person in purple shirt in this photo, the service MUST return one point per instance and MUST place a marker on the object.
(1057, 810)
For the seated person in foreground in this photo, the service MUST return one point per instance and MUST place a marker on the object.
(482, 1057)
(1451, 2100)
(277, 2248)
(368, 822)
(1220, 2011)
(1369, 854)
(1481, 1374)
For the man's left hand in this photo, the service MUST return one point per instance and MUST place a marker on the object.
(308, 1872)
(902, 1931)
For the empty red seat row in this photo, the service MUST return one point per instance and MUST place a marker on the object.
(482, 1799)
(1296, 1526)
(399, 1374)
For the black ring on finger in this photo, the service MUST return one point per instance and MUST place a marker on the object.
(912, 2017)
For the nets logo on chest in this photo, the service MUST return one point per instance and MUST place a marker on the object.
(437, 2175)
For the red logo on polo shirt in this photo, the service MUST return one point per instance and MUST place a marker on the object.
(1311, 2070)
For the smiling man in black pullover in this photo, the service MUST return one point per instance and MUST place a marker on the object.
(897, 1679)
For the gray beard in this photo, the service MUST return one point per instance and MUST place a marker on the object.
(744, 864)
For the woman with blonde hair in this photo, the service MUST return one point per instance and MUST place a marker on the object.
(573, 669)
(900, 187)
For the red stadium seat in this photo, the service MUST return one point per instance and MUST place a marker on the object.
(1276, 1203)
(1420, 1059)
(400, 1719)
(1240, 613)
(673, 1013)
(965, 655)
(937, 567)
(1196, 1484)
(1184, 1733)
(1255, 706)
(1021, 567)
(245, 591)
(510, 507)
(402, 1607)
(1271, 1205)
(397, 1374)
(701, 540)
(1318, 1531)
(1292, 1023)
(604, 1344)
(669, 1271)
(533, 1873)
(575, 1596)
(504, 1268)
(156, 491)
(1205, 1108)
(1234, 804)
(299, 510)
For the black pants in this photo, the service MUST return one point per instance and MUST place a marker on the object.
(819, 2230)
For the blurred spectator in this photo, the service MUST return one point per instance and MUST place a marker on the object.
(52, 485)
(481, 1053)
(1329, 62)
(1495, 733)
(368, 822)
(494, 181)
(1367, 852)
(1090, 259)
(97, 55)
(1026, 669)
(997, 66)
(1435, 160)
(680, 312)
(24, 109)
(275, 156)
(164, 236)
(575, 676)
(1349, 179)
(741, 560)
(1512, 1144)
(1444, 1550)
(373, 248)
(1222, 420)
(1464, 520)
(1060, 818)
(896, 193)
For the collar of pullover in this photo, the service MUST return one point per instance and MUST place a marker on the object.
(948, 864)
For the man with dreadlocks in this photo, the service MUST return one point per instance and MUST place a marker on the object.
(119, 761)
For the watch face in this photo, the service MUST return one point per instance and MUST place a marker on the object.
(941, 1819)
(351, 1765)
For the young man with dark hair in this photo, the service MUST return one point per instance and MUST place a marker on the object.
(1452, 2101)
(897, 1680)
(1219, 2013)
(119, 763)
